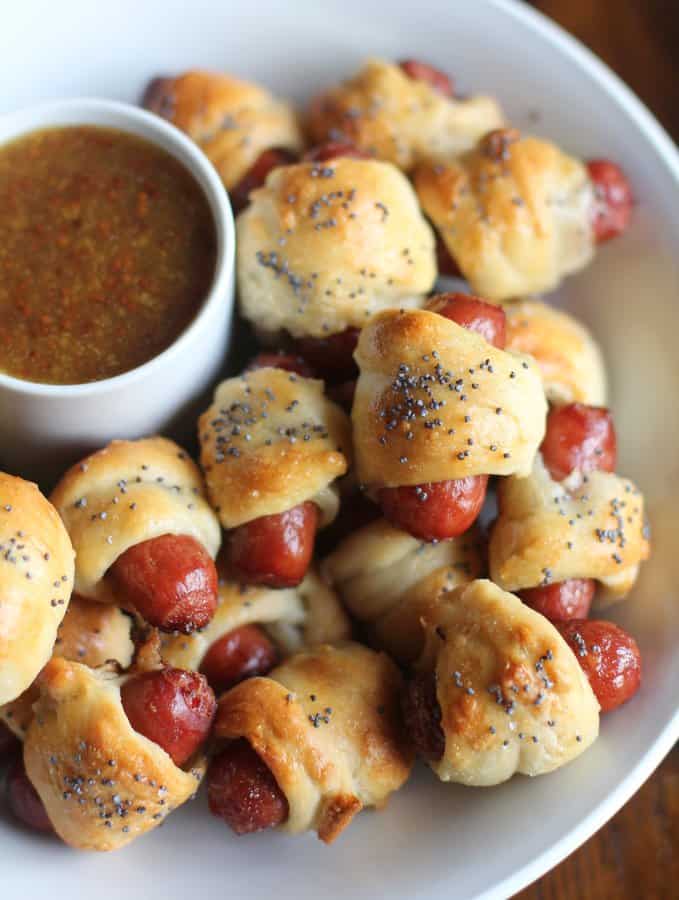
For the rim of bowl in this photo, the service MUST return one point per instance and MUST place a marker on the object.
(542, 28)
(193, 159)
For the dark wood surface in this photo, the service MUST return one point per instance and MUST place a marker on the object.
(636, 855)
(638, 39)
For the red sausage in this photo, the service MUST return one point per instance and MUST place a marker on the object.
(172, 707)
(444, 261)
(333, 356)
(422, 717)
(420, 71)
(473, 313)
(562, 601)
(579, 437)
(24, 801)
(438, 511)
(274, 550)
(242, 791)
(334, 150)
(612, 199)
(609, 657)
(257, 174)
(242, 653)
(286, 361)
(170, 580)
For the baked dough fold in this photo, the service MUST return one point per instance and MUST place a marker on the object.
(587, 526)
(568, 357)
(294, 617)
(36, 581)
(327, 724)
(322, 246)
(90, 633)
(389, 580)
(512, 694)
(129, 492)
(102, 783)
(397, 118)
(435, 401)
(515, 214)
(232, 121)
(270, 441)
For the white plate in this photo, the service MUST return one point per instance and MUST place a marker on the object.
(434, 841)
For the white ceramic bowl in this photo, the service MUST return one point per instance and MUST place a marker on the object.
(46, 426)
(433, 841)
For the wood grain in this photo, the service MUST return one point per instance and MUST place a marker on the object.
(636, 855)
(638, 39)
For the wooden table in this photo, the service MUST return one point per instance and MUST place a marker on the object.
(639, 39)
(636, 855)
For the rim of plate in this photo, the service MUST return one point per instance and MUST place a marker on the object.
(667, 152)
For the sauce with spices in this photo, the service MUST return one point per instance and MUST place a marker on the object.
(107, 251)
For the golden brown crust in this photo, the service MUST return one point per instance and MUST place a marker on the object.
(327, 724)
(94, 634)
(270, 441)
(17, 715)
(583, 527)
(389, 580)
(567, 355)
(394, 117)
(512, 694)
(514, 214)
(294, 617)
(101, 782)
(324, 245)
(90, 633)
(425, 376)
(129, 492)
(36, 581)
(232, 121)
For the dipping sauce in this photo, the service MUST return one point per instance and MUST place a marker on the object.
(107, 251)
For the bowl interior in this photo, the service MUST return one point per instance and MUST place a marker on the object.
(433, 841)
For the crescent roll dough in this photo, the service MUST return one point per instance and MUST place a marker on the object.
(389, 579)
(294, 617)
(394, 117)
(323, 245)
(232, 121)
(327, 724)
(435, 401)
(512, 694)
(515, 214)
(90, 633)
(129, 492)
(588, 526)
(567, 355)
(270, 441)
(103, 784)
(36, 581)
